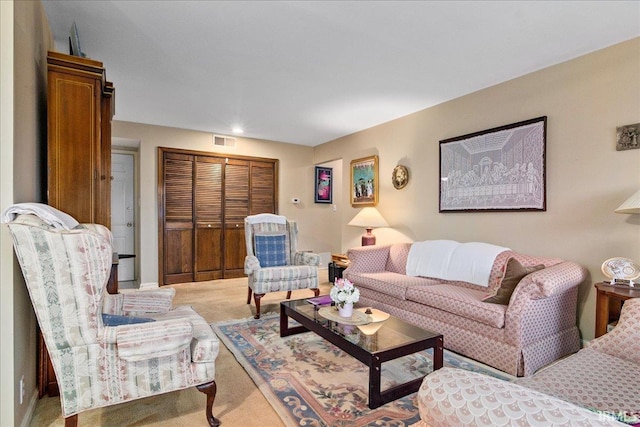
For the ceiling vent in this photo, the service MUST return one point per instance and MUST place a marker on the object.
(224, 141)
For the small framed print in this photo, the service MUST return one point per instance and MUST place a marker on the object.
(364, 181)
(324, 185)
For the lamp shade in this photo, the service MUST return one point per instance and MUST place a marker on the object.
(630, 206)
(368, 218)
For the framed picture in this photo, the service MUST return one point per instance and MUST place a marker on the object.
(364, 181)
(499, 169)
(324, 185)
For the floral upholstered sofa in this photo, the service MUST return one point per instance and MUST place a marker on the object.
(531, 328)
(598, 386)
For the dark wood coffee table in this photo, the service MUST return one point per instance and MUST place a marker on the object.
(395, 338)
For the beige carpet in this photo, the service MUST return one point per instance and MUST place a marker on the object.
(238, 402)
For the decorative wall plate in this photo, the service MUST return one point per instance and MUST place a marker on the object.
(619, 268)
(400, 177)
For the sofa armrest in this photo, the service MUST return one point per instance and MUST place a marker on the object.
(251, 264)
(306, 258)
(367, 259)
(143, 341)
(457, 397)
(624, 340)
(550, 281)
(139, 303)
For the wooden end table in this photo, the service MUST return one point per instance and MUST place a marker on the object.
(609, 300)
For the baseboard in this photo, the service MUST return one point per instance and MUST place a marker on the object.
(31, 409)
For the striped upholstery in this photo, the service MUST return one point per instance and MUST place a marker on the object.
(66, 272)
(300, 271)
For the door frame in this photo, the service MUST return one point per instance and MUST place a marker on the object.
(133, 150)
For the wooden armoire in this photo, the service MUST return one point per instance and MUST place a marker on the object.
(80, 106)
(203, 199)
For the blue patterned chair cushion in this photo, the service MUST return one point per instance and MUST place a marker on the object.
(271, 250)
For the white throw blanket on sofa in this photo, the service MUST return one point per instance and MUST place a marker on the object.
(450, 260)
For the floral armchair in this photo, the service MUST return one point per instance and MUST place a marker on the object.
(97, 365)
(273, 262)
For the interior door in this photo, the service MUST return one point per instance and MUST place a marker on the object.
(123, 213)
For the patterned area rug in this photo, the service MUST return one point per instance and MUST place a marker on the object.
(310, 382)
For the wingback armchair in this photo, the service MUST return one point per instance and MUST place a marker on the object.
(97, 365)
(273, 262)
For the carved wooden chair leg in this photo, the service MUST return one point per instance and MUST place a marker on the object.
(71, 421)
(210, 390)
(256, 298)
(288, 294)
(249, 296)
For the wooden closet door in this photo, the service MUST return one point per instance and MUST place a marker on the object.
(209, 218)
(263, 187)
(236, 209)
(178, 218)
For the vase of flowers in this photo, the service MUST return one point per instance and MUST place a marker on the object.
(344, 294)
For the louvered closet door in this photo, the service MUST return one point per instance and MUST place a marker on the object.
(236, 209)
(262, 186)
(209, 218)
(178, 218)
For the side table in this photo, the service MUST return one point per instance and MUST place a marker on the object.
(335, 271)
(609, 300)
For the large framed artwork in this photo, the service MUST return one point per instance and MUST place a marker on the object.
(499, 169)
(364, 181)
(324, 185)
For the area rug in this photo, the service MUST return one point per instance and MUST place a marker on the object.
(310, 382)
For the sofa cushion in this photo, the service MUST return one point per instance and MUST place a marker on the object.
(461, 301)
(397, 261)
(512, 276)
(591, 379)
(392, 284)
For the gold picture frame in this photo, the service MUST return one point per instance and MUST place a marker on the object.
(364, 181)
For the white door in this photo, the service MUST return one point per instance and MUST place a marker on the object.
(123, 214)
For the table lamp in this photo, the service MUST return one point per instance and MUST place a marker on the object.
(368, 218)
(631, 205)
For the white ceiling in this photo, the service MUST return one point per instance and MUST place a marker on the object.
(308, 72)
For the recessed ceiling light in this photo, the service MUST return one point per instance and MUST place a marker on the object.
(237, 130)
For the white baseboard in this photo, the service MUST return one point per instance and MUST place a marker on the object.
(33, 401)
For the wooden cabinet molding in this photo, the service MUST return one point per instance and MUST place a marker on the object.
(203, 198)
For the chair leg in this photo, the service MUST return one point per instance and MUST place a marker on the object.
(210, 390)
(256, 298)
(316, 292)
(288, 294)
(71, 421)
(249, 296)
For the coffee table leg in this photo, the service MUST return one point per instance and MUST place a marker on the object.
(375, 379)
(285, 330)
(438, 357)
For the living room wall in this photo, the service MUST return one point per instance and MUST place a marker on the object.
(24, 39)
(584, 99)
(296, 176)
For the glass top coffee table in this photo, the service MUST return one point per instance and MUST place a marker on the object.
(372, 344)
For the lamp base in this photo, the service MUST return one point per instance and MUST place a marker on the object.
(368, 238)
